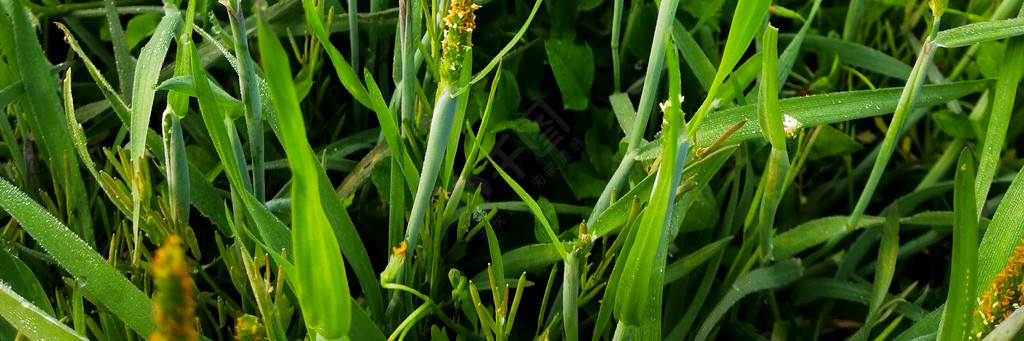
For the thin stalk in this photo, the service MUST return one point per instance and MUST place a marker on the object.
(903, 108)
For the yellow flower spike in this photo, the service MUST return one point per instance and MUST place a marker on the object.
(400, 250)
(249, 328)
(1003, 296)
(173, 303)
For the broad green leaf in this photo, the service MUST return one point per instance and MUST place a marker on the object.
(29, 320)
(573, 66)
(139, 28)
(317, 256)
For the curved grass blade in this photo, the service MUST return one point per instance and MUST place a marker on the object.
(29, 320)
(771, 277)
(110, 288)
(319, 265)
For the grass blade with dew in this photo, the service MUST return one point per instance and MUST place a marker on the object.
(662, 29)
(815, 110)
(971, 34)
(571, 295)
(638, 296)
(999, 118)
(147, 73)
(771, 277)
(318, 260)
(908, 98)
(29, 320)
(110, 288)
(44, 112)
(960, 300)
(746, 22)
(249, 89)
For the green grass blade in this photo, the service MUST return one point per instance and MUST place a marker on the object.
(971, 34)
(29, 320)
(183, 85)
(884, 271)
(508, 47)
(318, 259)
(122, 56)
(23, 281)
(274, 233)
(176, 167)
(652, 77)
(639, 292)
(816, 110)
(147, 73)
(344, 70)
(854, 54)
(110, 288)
(249, 88)
(683, 266)
(45, 115)
(999, 118)
(772, 277)
(960, 300)
(694, 56)
(534, 208)
(789, 55)
(746, 21)
(906, 103)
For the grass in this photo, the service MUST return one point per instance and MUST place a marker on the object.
(307, 169)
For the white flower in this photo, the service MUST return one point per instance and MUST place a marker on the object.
(790, 125)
